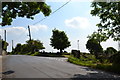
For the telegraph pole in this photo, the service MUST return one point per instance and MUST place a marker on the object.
(12, 46)
(0, 45)
(29, 32)
(78, 44)
(5, 35)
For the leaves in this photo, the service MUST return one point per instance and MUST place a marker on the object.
(98, 36)
(94, 47)
(4, 44)
(11, 10)
(109, 13)
(59, 40)
(31, 46)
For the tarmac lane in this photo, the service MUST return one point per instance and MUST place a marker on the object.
(23, 66)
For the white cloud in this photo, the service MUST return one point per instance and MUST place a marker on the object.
(19, 34)
(38, 27)
(13, 31)
(77, 22)
(110, 43)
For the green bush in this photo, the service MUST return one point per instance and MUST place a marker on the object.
(90, 61)
(110, 51)
(35, 54)
(109, 67)
(115, 68)
(29, 53)
(66, 53)
(104, 66)
(82, 61)
(115, 59)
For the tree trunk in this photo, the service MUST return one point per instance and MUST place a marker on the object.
(61, 51)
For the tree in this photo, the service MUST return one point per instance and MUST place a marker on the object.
(11, 10)
(35, 45)
(94, 47)
(99, 36)
(59, 40)
(110, 51)
(17, 48)
(109, 13)
(4, 45)
(30, 46)
(115, 58)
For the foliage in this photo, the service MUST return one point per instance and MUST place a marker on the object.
(82, 61)
(47, 54)
(4, 45)
(94, 47)
(109, 67)
(35, 45)
(11, 10)
(30, 47)
(110, 51)
(18, 48)
(108, 12)
(59, 40)
(115, 58)
(36, 54)
(99, 36)
(94, 64)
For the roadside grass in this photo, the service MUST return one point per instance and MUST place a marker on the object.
(47, 54)
(90, 61)
(115, 68)
(67, 56)
(82, 61)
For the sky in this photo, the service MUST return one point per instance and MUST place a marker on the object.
(74, 19)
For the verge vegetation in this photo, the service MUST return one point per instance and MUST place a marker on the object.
(110, 64)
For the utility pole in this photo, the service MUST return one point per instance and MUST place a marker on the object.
(12, 46)
(78, 44)
(0, 45)
(5, 35)
(29, 32)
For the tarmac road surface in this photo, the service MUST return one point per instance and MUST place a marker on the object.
(22, 66)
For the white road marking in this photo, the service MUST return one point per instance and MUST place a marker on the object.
(58, 59)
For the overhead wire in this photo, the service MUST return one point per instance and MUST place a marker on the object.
(21, 35)
(53, 12)
(44, 18)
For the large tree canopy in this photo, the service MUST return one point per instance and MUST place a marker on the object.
(94, 47)
(110, 51)
(59, 40)
(109, 13)
(11, 10)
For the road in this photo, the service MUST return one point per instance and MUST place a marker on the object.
(22, 66)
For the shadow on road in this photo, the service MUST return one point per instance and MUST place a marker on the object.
(96, 74)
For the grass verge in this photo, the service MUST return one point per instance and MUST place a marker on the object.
(109, 67)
